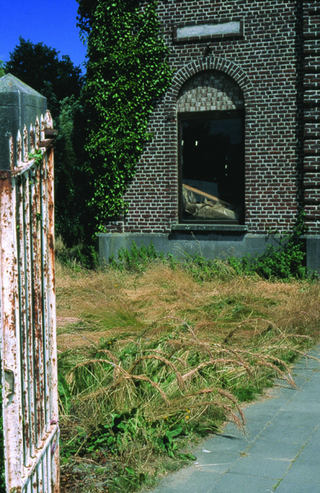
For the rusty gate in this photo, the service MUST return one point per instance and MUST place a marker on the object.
(27, 301)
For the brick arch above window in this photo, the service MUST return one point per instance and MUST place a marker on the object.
(205, 64)
(210, 90)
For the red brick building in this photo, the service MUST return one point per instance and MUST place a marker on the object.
(236, 140)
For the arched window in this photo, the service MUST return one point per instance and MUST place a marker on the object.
(211, 149)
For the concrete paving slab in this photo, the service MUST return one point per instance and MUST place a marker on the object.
(280, 451)
(288, 433)
(295, 487)
(190, 481)
(272, 449)
(291, 417)
(238, 483)
(302, 471)
(315, 438)
(260, 465)
(311, 454)
(300, 399)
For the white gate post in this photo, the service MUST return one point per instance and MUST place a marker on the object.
(27, 295)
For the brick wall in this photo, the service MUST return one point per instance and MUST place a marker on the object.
(311, 120)
(264, 69)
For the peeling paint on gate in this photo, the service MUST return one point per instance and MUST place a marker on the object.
(27, 300)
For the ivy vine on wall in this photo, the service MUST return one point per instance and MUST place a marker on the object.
(127, 71)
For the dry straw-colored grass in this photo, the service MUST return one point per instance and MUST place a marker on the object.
(169, 346)
(236, 326)
(115, 303)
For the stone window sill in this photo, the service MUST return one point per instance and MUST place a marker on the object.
(214, 228)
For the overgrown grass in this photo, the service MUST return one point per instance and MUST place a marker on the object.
(284, 259)
(154, 357)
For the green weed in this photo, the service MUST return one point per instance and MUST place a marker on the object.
(285, 261)
(136, 259)
(77, 257)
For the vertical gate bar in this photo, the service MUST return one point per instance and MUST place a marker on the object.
(23, 317)
(49, 470)
(35, 481)
(45, 472)
(33, 246)
(45, 325)
(37, 305)
(40, 476)
(12, 418)
(44, 273)
(52, 330)
(30, 343)
(41, 333)
(28, 487)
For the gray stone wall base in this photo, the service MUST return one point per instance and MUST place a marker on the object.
(313, 253)
(208, 245)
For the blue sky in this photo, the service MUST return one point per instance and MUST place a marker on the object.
(52, 22)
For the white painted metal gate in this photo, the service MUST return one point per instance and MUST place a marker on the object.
(27, 301)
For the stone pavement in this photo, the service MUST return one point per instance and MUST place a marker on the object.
(281, 451)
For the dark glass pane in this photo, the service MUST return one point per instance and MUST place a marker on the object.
(212, 169)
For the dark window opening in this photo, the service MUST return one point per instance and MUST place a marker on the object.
(211, 148)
